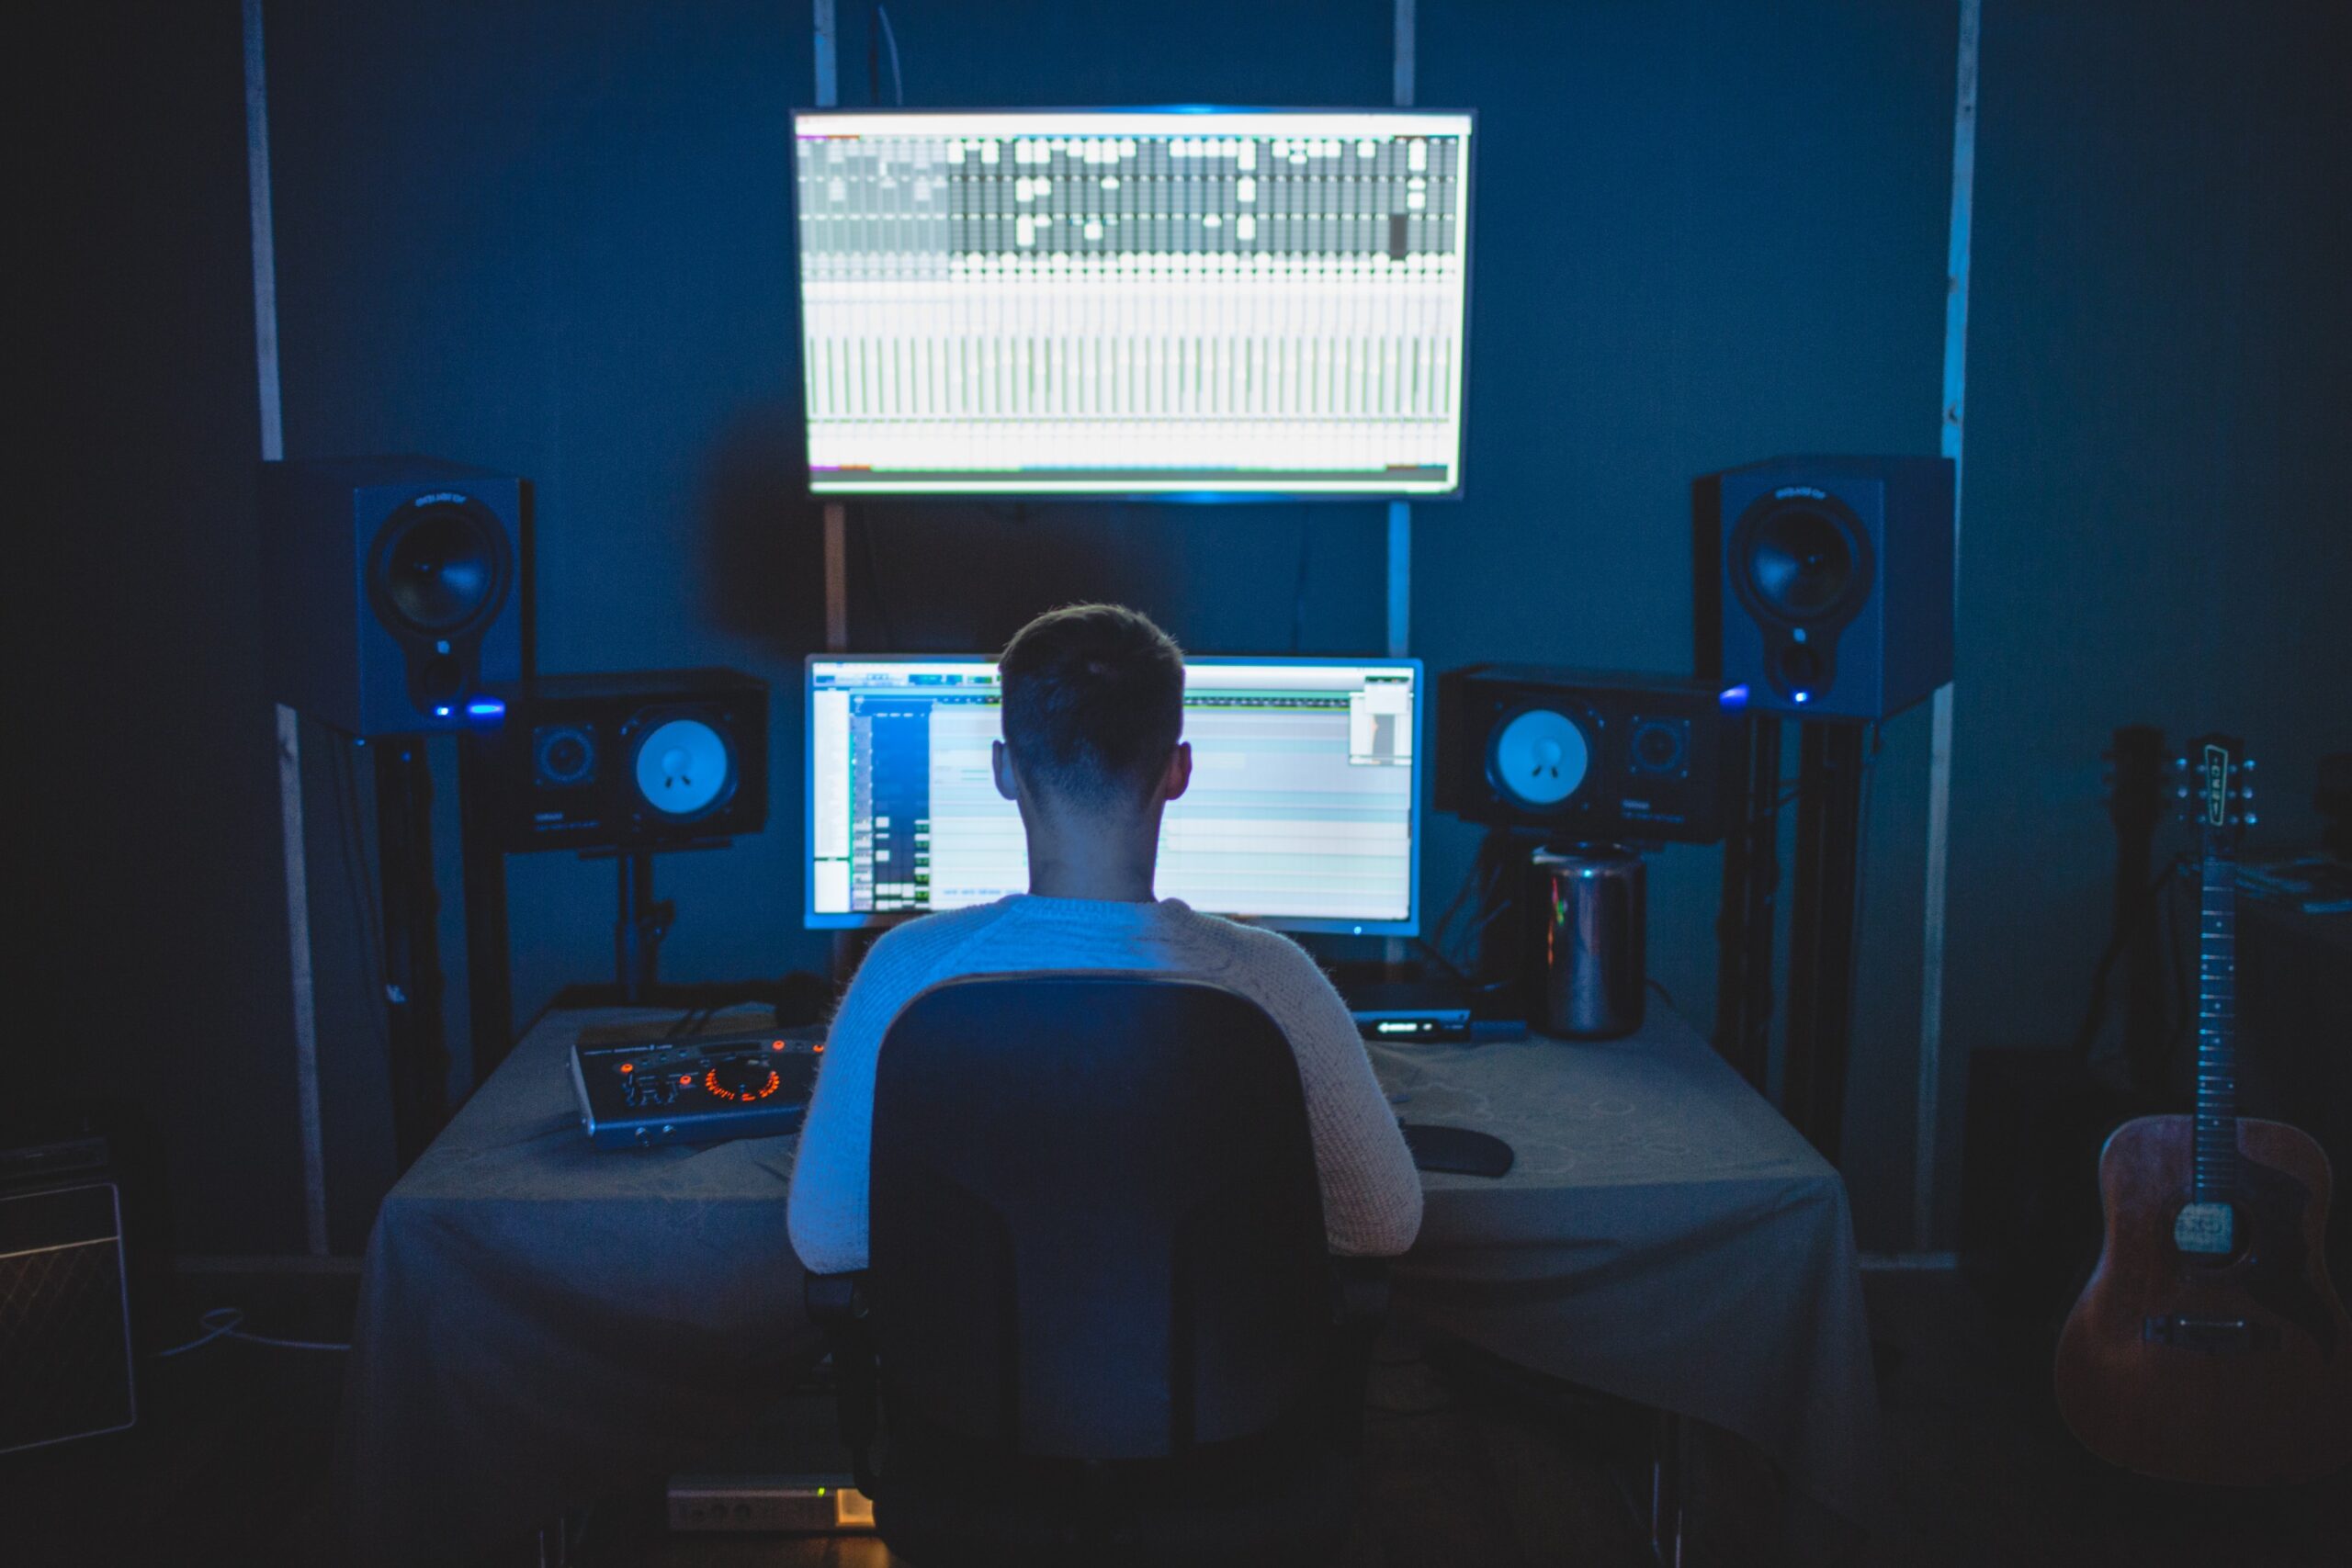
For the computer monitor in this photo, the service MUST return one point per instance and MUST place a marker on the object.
(1304, 810)
(1213, 303)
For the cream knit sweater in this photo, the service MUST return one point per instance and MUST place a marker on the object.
(1371, 1197)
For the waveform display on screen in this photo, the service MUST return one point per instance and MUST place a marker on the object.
(1135, 302)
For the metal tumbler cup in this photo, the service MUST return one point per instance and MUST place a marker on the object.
(1591, 918)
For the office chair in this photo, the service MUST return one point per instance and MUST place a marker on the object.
(1099, 1324)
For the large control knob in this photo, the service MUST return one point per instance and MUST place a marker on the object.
(745, 1079)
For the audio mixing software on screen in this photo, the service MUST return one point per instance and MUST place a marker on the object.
(1042, 302)
(1302, 809)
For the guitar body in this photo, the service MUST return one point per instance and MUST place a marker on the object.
(2190, 1360)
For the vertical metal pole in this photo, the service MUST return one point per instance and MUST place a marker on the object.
(418, 1043)
(290, 731)
(836, 577)
(1821, 931)
(1928, 1123)
(836, 541)
(1744, 918)
(1400, 578)
(1401, 81)
(836, 515)
(640, 923)
(490, 970)
(828, 55)
(1400, 512)
(1762, 892)
(836, 528)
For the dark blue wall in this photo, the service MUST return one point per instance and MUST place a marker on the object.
(556, 239)
(2156, 526)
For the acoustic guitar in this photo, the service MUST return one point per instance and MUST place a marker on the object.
(2211, 1346)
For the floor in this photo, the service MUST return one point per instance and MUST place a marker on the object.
(1982, 1474)
(1468, 1466)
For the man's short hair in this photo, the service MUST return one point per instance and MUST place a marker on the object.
(1093, 702)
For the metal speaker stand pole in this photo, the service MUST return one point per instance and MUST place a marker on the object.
(1821, 939)
(1748, 908)
(638, 927)
(490, 970)
(420, 1052)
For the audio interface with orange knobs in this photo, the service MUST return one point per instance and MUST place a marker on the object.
(703, 1089)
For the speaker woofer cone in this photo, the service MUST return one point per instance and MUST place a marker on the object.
(1539, 758)
(439, 567)
(683, 765)
(1800, 561)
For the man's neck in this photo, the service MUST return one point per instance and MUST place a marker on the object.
(1111, 862)
(1085, 878)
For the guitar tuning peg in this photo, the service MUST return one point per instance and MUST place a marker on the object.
(2247, 764)
(2246, 792)
(2180, 765)
(2251, 819)
(2182, 792)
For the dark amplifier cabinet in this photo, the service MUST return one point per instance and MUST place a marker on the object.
(2294, 1014)
(65, 1351)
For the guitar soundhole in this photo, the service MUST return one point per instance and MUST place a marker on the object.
(2209, 1236)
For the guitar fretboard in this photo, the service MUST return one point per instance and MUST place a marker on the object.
(2217, 1109)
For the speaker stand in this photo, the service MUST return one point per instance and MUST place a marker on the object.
(638, 928)
(489, 969)
(419, 1046)
(1821, 930)
(1748, 912)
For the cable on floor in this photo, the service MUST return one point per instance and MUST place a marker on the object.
(220, 1323)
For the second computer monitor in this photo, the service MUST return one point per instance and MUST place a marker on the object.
(1141, 301)
(1304, 810)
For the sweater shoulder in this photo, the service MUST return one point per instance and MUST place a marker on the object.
(920, 946)
(1266, 954)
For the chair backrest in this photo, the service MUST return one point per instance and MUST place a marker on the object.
(1095, 1229)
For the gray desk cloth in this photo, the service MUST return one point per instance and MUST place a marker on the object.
(539, 1320)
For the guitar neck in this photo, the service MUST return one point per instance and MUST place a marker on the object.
(2217, 1088)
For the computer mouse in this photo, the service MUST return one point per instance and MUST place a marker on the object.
(1460, 1150)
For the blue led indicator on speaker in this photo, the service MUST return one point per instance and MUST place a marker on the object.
(486, 707)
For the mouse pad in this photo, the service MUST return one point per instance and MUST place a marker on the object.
(1460, 1150)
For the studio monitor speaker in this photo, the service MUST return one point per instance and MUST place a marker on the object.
(1589, 754)
(1825, 584)
(656, 760)
(391, 588)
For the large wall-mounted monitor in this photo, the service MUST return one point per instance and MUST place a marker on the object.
(1304, 811)
(1213, 304)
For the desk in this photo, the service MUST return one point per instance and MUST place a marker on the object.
(1663, 1236)
(539, 1319)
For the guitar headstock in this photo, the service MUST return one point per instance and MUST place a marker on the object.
(2214, 788)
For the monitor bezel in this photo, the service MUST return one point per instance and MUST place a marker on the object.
(810, 919)
(1459, 491)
